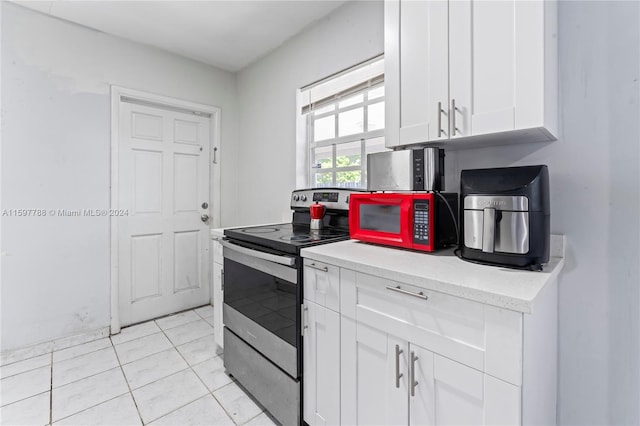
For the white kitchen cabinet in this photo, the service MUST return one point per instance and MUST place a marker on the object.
(322, 284)
(416, 71)
(398, 382)
(218, 292)
(480, 343)
(470, 71)
(321, 344)
(321, 360)
(375, 399)
(447, 392)
(431, 351)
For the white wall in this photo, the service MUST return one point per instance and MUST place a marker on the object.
(55, 154)
(267, 103)
(595, 193)
(595, 182)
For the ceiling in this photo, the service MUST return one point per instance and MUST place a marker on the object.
(226, 34)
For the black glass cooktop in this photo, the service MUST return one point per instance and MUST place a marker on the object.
(287, 237)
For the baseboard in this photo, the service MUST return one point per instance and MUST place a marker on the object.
(19, 354)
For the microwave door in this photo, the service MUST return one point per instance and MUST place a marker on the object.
(380, 218)
(383, 220)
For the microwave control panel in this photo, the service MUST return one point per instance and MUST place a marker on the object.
(421, 222)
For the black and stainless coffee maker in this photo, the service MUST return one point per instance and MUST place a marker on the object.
(505, 216)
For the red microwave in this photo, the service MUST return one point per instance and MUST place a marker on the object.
(418, 221)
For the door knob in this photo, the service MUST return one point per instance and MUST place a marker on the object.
(204, 218)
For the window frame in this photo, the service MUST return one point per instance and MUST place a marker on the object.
(362, 137)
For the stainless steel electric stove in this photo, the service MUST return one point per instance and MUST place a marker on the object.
(262, 298)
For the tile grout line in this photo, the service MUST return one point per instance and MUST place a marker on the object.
(92, 406)
(95, 340)
(26, 371)
(210, 392)
(85, 377)
(20, 358)
(120, 365)
(111, 345)
(26, 397)
(126, 381)
(51, 353)
(173, 346)
(157, 380)
(179, 325)
(256, 416)
(182, 406)
(51, 392)
(86, 353)
(194, 372)
(53, 349)
(233, 380)
(75, 381)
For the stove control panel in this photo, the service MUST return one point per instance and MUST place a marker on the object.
(326, 197)
(332, 198)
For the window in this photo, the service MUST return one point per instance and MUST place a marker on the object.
(343, 119)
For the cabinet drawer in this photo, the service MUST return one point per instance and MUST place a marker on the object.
(322, 284)
(483, 337)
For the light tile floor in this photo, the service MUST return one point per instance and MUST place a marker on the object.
(163, 372)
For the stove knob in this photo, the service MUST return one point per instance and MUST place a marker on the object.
(303, 197)
(296, 197)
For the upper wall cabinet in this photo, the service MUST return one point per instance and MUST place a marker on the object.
(470, 72)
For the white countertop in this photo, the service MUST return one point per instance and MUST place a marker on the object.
(443, 271)
(216, 233)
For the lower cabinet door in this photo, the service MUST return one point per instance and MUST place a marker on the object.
(321, 364)
(446, 392)
(380, 377)
(422, 398)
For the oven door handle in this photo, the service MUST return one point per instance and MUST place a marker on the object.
(283, 260)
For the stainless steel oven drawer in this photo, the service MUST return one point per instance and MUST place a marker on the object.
(277, 350)
(274, 389)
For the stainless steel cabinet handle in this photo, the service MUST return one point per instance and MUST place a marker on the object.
(215, 151)
(222, 281)
(453, 117)
(412, 373)
(398, 373)
(439, 119)
(319, 268)
(419, 295)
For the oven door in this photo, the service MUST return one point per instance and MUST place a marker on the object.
(382, 218)
(262, 302)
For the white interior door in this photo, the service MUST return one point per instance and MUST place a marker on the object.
(163, 183)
